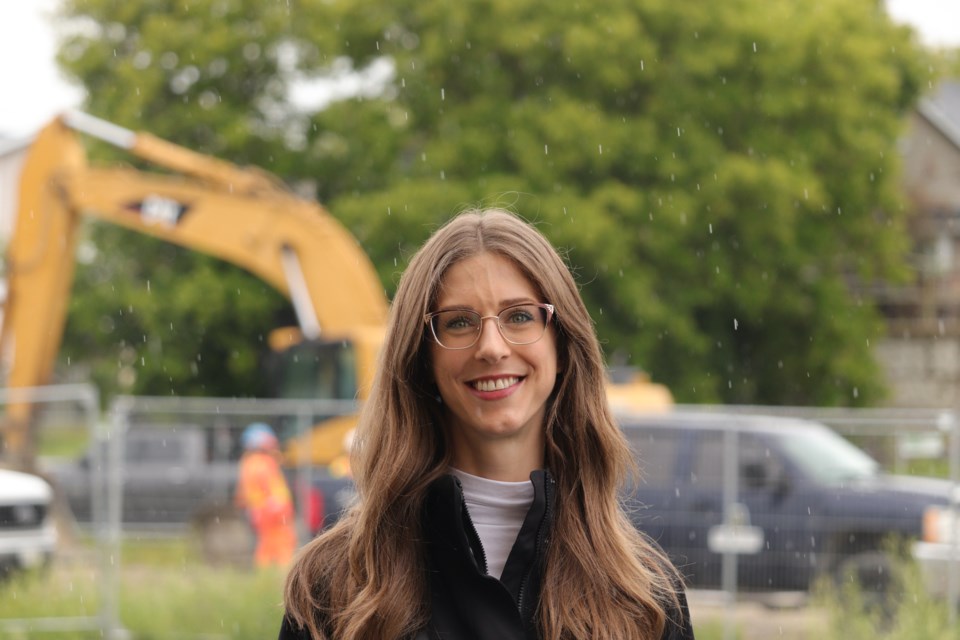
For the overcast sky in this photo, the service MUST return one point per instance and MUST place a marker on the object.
(33, 90)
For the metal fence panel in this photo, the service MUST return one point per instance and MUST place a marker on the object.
(65, 414)
(896, 438)
(720, 481)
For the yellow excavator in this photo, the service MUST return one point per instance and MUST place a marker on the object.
(243, 215)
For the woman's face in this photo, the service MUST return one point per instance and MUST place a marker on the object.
(493, 390)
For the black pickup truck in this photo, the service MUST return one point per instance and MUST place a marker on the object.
(807, 502)
(177, 475)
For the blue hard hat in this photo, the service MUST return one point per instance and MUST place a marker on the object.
(258, 435)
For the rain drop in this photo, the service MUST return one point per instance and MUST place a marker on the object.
(736, 325)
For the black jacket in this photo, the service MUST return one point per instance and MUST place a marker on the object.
(468, 604)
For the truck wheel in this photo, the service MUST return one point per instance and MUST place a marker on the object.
(874, 576)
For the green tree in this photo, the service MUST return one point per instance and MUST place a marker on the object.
(146, 316)
(717, 179)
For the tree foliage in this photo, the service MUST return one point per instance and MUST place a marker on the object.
(717, 180)
(148, 317)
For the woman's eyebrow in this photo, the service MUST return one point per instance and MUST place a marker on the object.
(456, 307)
(503, 305)
(512, 301)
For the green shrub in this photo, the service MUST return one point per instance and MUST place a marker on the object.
(908, 613)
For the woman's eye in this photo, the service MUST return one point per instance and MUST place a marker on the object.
(519, 316)
(459, 322)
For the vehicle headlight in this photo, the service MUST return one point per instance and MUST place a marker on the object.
(941, 525)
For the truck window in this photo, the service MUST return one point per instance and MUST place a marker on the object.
(707, 469)
(827, 456)
(656, 451)
(758, 465)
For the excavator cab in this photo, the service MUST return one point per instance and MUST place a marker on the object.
(314, 370)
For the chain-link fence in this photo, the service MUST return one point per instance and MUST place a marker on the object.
(167, 468)
(750, 501)
(54, 419)
(761, 502)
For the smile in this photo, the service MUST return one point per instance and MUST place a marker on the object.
(494, 384)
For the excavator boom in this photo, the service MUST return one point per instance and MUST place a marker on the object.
(243, 216)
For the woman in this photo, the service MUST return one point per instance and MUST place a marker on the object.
(487, 466)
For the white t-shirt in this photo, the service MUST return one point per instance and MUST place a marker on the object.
(497, 510)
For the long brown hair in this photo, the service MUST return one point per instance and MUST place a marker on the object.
(365, 577)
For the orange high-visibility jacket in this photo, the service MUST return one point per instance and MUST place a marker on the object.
(262, 490)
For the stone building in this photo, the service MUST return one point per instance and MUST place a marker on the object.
(921, 353)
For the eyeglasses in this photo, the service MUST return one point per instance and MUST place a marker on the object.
(518, 324)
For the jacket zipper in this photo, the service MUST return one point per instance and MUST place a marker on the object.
(538, 547)
(473, 528)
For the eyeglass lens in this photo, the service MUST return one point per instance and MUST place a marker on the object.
(460, 328)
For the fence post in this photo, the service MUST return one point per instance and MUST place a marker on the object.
(728, 568)
(953, 574)
(111, 524)
(304, 472)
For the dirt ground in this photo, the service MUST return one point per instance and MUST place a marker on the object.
(793, 619)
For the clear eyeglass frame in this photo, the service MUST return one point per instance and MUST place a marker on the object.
(549, 308)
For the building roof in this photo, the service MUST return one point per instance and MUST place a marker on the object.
(10, 146)
(942, 110)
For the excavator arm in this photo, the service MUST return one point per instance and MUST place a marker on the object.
(243, 216)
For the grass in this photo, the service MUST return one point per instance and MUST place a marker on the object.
(929, 467)
(167, 592)
(63, 441)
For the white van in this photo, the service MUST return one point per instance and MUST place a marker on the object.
(27, 534)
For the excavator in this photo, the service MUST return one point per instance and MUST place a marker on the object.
(242, 215)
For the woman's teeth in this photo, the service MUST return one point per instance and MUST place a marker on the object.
(494, 385)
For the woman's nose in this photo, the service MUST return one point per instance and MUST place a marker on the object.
(491, 344)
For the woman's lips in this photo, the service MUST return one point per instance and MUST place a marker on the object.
(494, 388)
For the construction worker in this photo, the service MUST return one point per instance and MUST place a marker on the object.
(263, 492)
